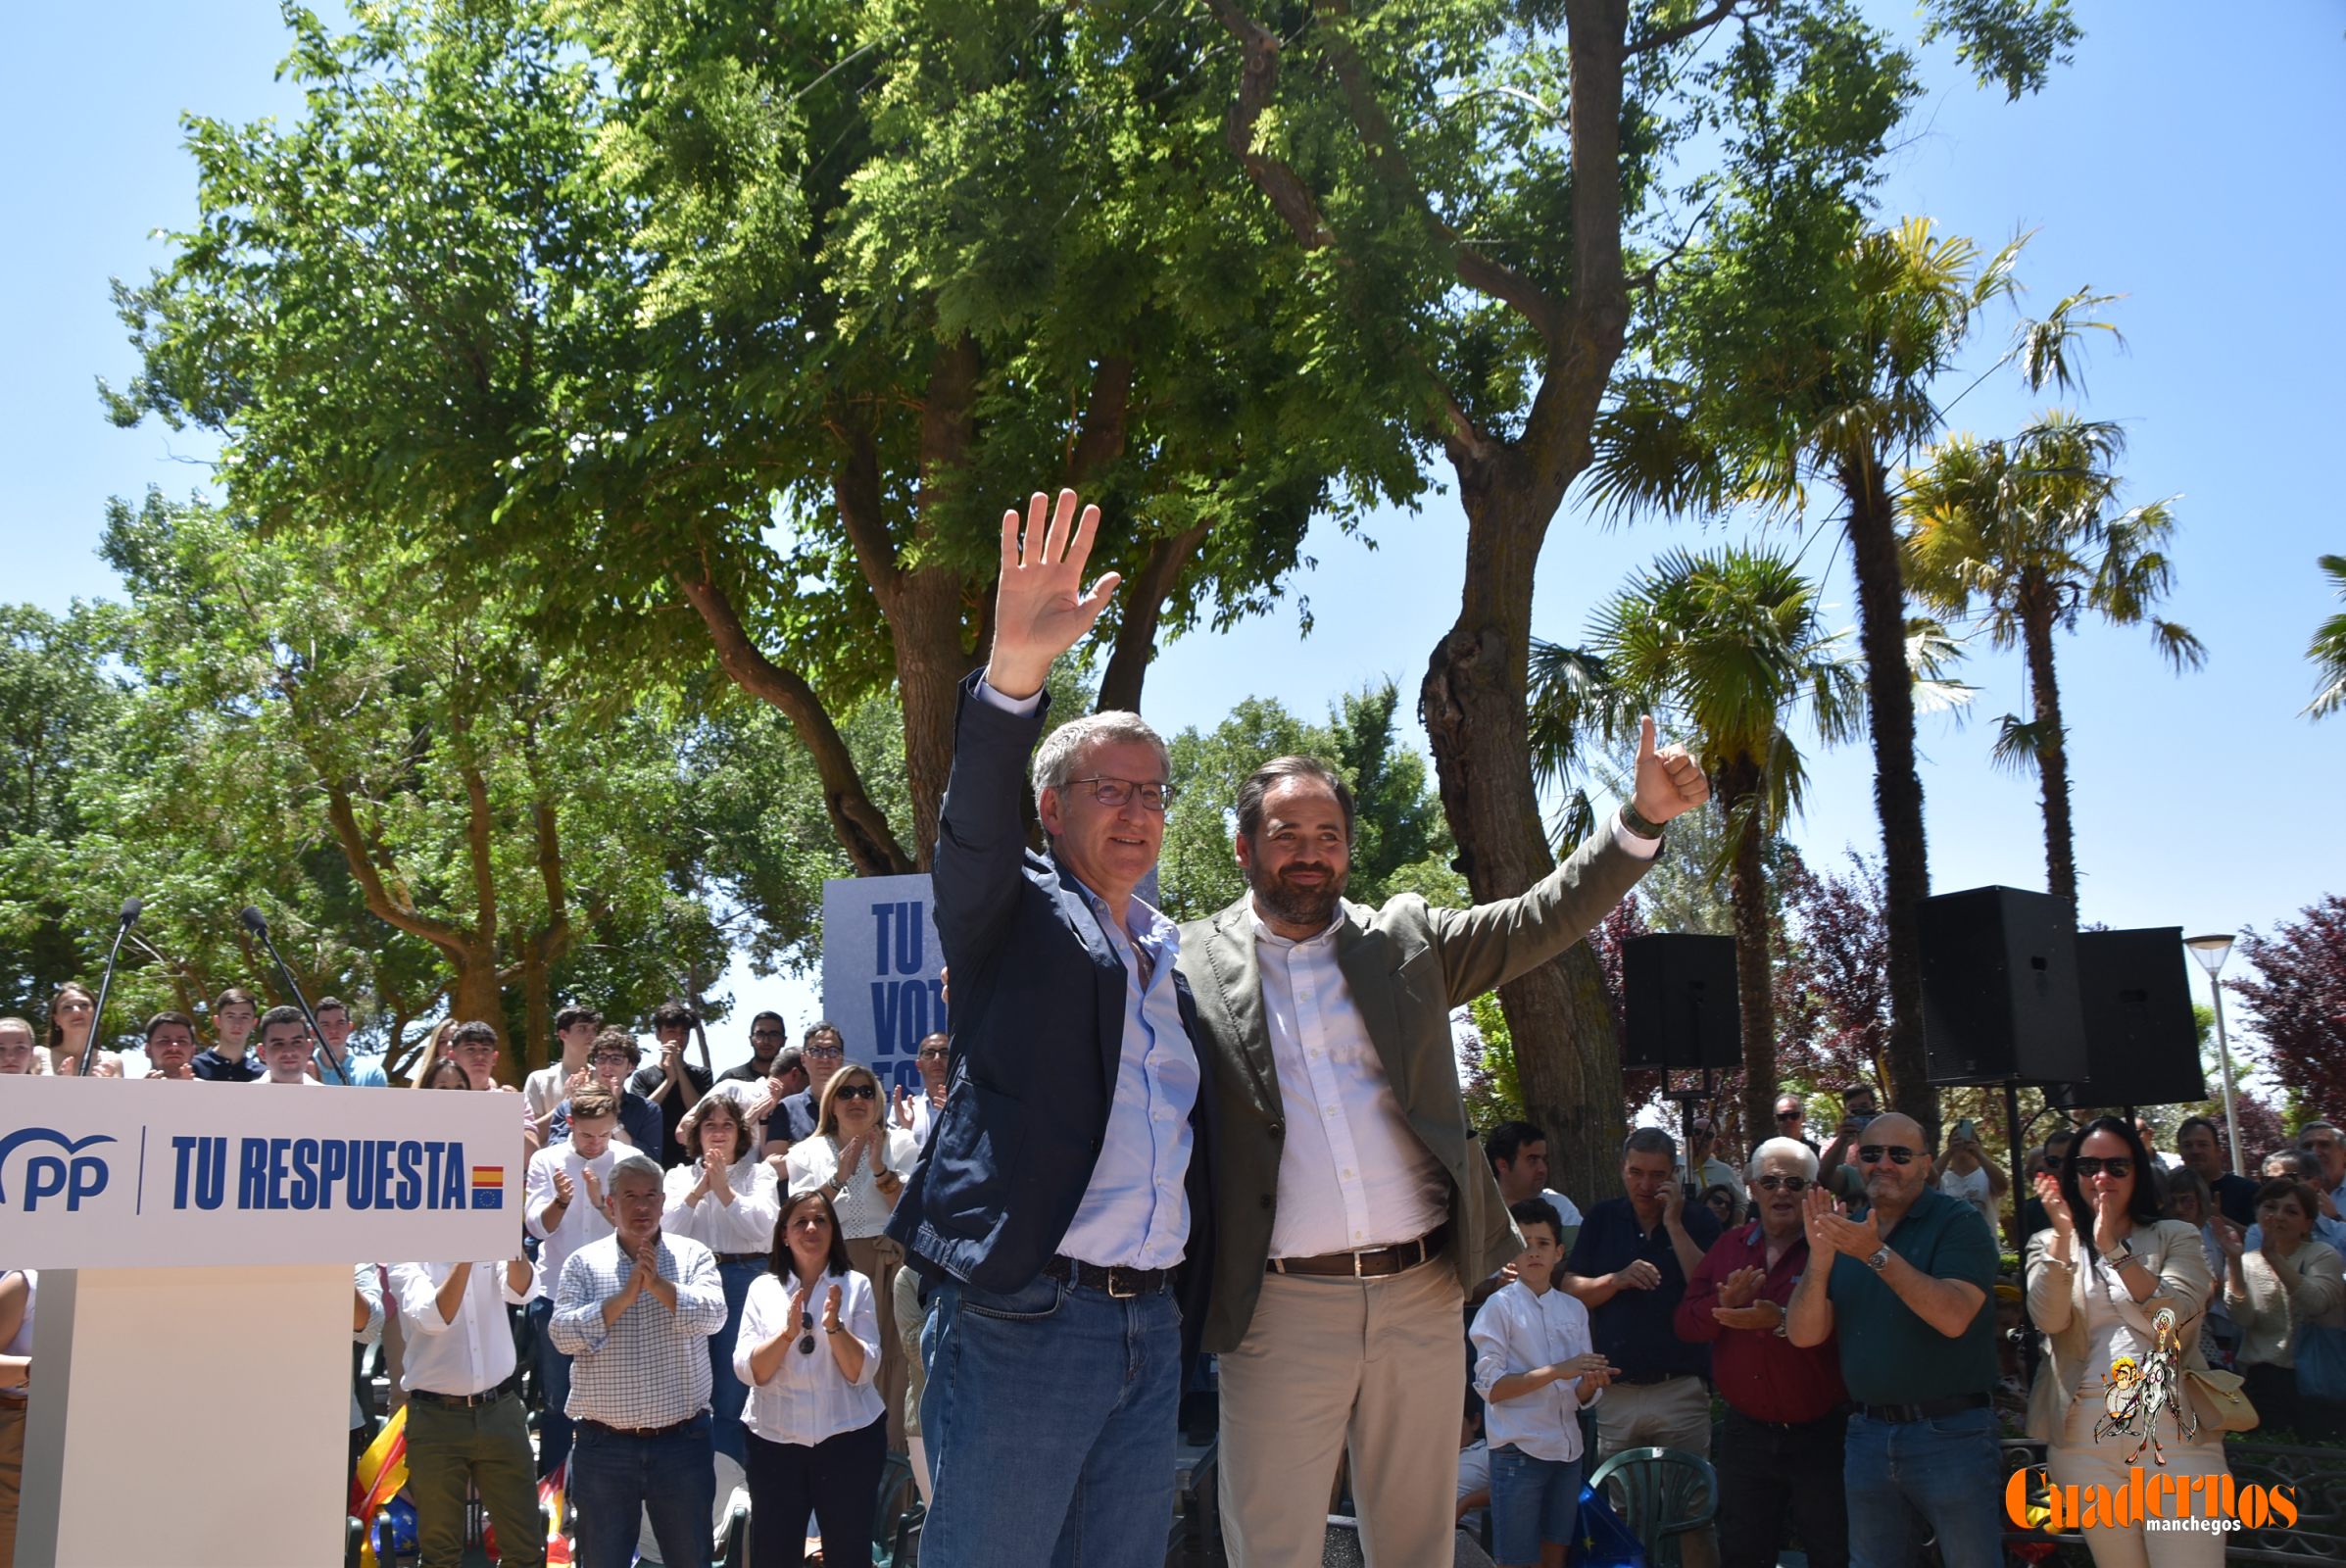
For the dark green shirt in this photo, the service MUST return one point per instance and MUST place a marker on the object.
(1888, 1354)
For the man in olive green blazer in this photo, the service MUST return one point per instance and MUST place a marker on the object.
(1353, 1208)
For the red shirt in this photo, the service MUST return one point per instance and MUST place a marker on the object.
(1759, 1374)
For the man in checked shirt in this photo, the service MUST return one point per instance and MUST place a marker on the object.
(634, 1313)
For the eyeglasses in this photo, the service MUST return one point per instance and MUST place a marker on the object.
(1875, 1153)
(1787, 1184)
(933, 1054)
(824, 1053)
(856, 1092)
(2053, 1162)
(2086, 1165)
(617, 1058)
(1116, 791)
(766, 1034)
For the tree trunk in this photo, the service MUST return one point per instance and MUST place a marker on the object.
(1755, 988)
(1144, 601)
(1567, 1056)
(2052, 751)
(1897, 785)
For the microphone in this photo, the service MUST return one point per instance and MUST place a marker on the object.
(132, 907)
(252, 921)
(97, 1023)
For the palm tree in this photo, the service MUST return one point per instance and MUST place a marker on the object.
(1833, 379)
(2328, 650)
(2023, 535)
(1727, 645)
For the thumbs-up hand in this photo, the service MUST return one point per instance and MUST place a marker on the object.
(1669, 783)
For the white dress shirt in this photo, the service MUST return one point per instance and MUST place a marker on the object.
(1516, 1332)
(862, 1209)
(582, 1222)
(1135, 1211)
(743, 1222)
(369, 1286)
(1352, 1174)
(808, 1398)
(472, 1355)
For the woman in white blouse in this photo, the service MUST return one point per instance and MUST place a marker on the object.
(727, 1201)
(862, 1162)
(2273, 1290)
(809, 1349)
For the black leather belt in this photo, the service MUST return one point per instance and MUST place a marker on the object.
(741, 1257)
(609, 1430)
(1119, 1282)
(1927, 1410)
(468, 1402)
(1377, 1263)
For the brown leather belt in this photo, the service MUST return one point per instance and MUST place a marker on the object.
(643, 1432)
(1374, 1265)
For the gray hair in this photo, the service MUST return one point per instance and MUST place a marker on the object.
(1062, 750)
(1802, 1154)
(1649, 1140)
(634, 1161)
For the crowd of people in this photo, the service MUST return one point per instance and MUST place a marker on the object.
(1243, 1144)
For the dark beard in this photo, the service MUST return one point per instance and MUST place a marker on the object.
(1314, 908)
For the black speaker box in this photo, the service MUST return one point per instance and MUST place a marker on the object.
(1679, 1003)
(2000, 995)
(2141, 1041)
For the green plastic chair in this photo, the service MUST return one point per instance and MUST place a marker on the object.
(1660, 1495)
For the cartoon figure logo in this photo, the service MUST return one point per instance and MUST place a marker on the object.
(2135, 1394)
(76, 1178)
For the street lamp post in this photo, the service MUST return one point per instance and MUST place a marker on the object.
(2211, 952)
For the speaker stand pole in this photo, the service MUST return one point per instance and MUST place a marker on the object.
(2011, 1129)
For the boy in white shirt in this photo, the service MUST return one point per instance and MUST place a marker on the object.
(562, 1206)
(1535, 1370)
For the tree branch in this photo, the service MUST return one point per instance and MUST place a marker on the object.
(1258, 81)
(1664, 37)
(855, 491)
(344, 819)
(861, 827)
(1099, 439)
(1144, 611)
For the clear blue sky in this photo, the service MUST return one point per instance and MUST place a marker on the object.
(2192, 168)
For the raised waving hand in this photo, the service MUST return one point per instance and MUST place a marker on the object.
(1040, 607)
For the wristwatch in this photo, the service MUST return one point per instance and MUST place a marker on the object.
(1880, 1259)
(1637, 824)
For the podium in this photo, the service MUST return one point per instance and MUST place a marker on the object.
(190, 1393)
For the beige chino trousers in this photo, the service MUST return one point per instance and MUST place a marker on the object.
(1375, 1366)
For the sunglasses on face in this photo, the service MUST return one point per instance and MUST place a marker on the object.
(2053, 1162)
(856, 1091)
(1789, 1115)
(2090, 1165)
(1876, 1153)
(1787, 1184)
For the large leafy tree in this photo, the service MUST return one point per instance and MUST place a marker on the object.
(1729, 646)
(2026, 536)
(1488, 197)
(681, 329)
(435, 807)
(2299, 993)
(56, 702)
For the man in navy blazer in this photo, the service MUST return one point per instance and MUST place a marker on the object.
(1063, 1184)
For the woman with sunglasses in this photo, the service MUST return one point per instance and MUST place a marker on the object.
(862, 1162)
(809, 1347)
(726, 1200)
(2273, 1290)
(2098, 1276)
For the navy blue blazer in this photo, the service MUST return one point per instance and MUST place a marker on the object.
(1037, 1026)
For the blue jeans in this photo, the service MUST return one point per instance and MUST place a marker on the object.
(614, 1481)
(1051, 1418)
(1908, 1478)
(726, 1394)
(553, 1382)
(1531, 1500)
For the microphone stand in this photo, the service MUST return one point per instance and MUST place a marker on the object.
(97, 1017)
(258, 924)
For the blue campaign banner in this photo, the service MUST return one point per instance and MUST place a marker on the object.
(133, 1173)
(882, 975)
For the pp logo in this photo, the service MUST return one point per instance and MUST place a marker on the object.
(68, 1173)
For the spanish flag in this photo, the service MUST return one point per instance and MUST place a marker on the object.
(488, 1186)
(382, 1471)
(549, 1500)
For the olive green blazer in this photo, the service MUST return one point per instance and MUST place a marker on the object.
(1408, 965)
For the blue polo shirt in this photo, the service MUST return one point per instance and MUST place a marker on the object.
(1634, 1329)
(1888, 1354)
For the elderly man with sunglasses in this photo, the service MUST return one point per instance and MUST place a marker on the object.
(1908, 1292)
(1779, 1458)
